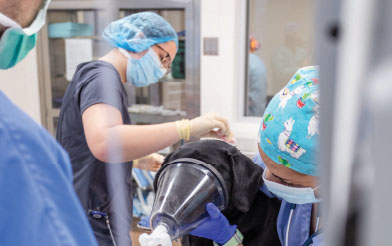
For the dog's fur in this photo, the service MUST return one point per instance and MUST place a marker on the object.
(248, 207)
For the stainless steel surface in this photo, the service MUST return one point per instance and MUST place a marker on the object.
(192, 63)
(327, 48)
(356, 106)
(246, 60)
(378, 215)
(211, 46)
(357, 23)
(377, 212)
(143, 119)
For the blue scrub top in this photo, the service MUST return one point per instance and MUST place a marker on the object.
(299, 231)
(38, 203)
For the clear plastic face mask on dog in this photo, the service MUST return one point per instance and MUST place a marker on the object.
(183, 189)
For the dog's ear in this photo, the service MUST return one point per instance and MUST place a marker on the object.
(247, 179)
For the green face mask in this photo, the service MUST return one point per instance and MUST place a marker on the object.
(14, 46)
(16, 42)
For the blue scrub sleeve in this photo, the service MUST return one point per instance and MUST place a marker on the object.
(103, 87)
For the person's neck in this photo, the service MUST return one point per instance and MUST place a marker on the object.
(119, 61)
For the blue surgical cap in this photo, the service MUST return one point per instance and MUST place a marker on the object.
(138, 32)
(289, 132)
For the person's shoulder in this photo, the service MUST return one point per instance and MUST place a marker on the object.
(97, 67)
(23, 136)
(98, 72)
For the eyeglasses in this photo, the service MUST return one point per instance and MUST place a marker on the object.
(165, 60)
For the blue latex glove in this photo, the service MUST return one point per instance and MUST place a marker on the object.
(216, 227)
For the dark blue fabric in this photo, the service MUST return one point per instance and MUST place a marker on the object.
(38, 203)
(95, 82)
(299, 226)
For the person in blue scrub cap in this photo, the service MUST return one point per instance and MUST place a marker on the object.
(149, 43)
(95, 127)
(288, 151)
(38, 203)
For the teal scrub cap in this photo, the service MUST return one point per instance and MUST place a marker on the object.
(138, 32)
(288, 134)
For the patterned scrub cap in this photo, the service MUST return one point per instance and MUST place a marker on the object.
(288, 134)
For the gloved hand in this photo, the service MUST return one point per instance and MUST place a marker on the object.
(216, 227)
(205, 125)
(151, 162)
(209, 125)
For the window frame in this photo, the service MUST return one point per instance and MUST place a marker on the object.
(243, 67)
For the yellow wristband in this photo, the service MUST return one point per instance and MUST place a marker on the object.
(184, 129)
(136, 163)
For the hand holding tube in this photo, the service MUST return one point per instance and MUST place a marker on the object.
(216, 227)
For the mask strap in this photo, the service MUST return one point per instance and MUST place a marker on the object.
(155, 56)
(316, 188)
(39, 20)
(8, 22)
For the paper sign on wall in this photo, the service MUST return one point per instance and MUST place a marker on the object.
(77, 50)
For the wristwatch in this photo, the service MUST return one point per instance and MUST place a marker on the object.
(235, 240)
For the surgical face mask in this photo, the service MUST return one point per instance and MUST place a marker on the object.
(145, 70)
(16, 42)
(293, 195)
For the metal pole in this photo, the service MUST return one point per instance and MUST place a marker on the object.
(357, 19)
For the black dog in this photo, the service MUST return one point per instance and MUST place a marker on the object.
(248, 207)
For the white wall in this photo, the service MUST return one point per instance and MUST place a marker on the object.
(221, 76)
(20, 84)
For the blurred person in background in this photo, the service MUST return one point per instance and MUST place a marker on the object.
(38, 203)
(257, 81)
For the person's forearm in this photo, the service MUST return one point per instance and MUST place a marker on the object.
(129, 142)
